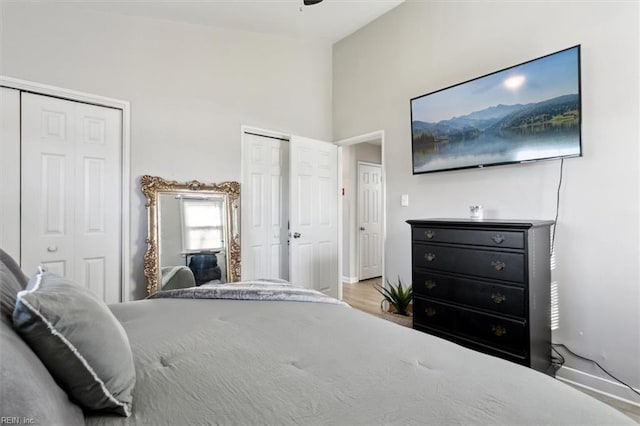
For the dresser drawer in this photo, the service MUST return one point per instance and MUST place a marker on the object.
(483, 263)
(519, 357)
(478, 294)
(507, 239)
(496, 331)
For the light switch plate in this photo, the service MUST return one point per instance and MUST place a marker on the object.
(405, 200)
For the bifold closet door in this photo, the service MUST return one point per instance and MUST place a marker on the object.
(71, 192)
(265, 252)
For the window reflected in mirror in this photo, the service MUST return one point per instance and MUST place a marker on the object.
(202, 224)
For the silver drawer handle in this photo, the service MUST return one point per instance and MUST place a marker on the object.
(429, 234)
(498, 298)
(497, 265)
(498, 239)
(430, 285)
(430, 312)
(498, 330)
(430, 257)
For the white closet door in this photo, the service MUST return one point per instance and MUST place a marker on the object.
(10, 172)
(369, 220)
(71, 192)
(313, 206)
(265, 253)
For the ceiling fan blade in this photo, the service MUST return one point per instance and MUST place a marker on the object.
(311, 2)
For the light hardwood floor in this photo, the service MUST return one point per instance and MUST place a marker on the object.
(365, 297)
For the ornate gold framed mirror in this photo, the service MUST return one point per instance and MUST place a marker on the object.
(193, 235)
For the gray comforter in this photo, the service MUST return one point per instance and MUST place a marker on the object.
(249, 290)
(245, 362)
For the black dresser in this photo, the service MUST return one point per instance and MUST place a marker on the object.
(485, 284)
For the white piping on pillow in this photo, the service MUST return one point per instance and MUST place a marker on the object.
(69, 344)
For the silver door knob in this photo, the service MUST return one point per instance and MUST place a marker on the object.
(296, 235)
(52, 249)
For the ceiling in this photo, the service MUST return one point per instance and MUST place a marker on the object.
(329, 20)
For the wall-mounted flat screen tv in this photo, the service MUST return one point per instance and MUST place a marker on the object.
(526, 112)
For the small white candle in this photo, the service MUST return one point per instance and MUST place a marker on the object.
(476, 212)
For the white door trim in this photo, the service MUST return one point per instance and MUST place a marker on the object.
(367, 137)
(125, 107)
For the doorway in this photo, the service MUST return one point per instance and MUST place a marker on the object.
(289, 214)
(362, 215)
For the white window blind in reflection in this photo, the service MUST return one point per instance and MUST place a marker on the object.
(202, 225)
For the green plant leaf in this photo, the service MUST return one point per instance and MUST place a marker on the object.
(398, 296)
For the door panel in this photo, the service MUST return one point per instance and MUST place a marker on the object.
(370, 220)
(94, 271)
(314, 214)
(94, 208)
(58, 267)
(48, 140)
(10, 171)
(98, 195)
(53, 194)
(71, 191)
(265, 251)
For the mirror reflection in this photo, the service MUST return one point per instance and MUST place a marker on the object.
(193, 237)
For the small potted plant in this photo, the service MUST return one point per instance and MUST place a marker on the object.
(396, 301)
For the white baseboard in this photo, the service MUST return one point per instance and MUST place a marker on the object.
(597, 384)
(350, 280)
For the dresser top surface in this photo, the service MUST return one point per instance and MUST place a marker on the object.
(475, 223)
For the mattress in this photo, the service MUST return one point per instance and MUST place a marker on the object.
(234, 362)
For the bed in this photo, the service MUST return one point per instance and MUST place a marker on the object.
(301, 361)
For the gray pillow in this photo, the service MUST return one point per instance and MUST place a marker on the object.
(27, 390)
(79, 340)
(12, 280)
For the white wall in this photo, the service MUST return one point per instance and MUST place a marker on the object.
(351, 154)
(190, 88)
(420, 47)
